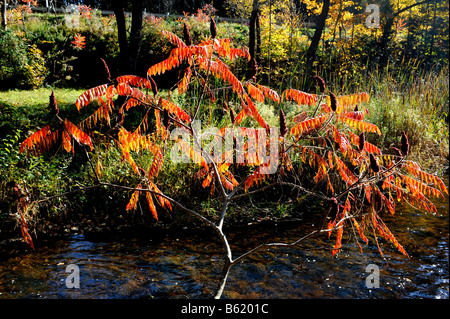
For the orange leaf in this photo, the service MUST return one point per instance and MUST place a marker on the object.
(254, 111)
(134, 199)
(40, 141)
(165, 203)
(173, 38)
(89, 95)
(174, 109)
(134, 80)
(157, 164)
(348, 177)
(269, 93)
(171, 62)
(255, 93)
(309, 125)
(183, 85)
(338, 244)
(77, 134)
(67, 142)
(151, 205)
(221, 70)
(300, 97)
(255, 178)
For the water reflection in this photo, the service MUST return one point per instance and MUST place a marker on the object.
(189, 266)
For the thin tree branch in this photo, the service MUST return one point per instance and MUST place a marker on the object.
(235, 261)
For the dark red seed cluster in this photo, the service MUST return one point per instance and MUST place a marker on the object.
(52, 104)
(105, 66)
(213, 28)
(320, 83)
(374, 164)
(253, 69)
(232, 115)
(334, 209)
(283, 127)
(166, 119)
(187, 35)
(362, 140)
(333, 101)
(404, 144)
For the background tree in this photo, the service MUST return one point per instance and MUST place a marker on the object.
(254, 25)
(390, 13)
(4, 22)
(320, 26)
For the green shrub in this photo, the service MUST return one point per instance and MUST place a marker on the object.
(21, 65)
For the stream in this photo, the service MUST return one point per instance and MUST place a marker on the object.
(189, 265)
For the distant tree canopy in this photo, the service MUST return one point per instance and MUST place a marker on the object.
(309, 36)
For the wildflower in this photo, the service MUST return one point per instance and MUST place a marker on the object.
(79, 42)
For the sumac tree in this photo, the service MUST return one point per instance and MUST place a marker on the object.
(327, 139)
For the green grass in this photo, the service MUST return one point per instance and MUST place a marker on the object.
(39, 97)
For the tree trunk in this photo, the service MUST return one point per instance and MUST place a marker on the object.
(311, 53)
(119, 11)
(384, 43)
(136, 34)
(258, 39)
(129, 49)
(4, 14)
(252, 29)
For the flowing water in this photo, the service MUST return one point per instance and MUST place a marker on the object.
(189, 265)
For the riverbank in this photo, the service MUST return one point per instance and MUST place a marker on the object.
(187, 264)
(422, 113)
